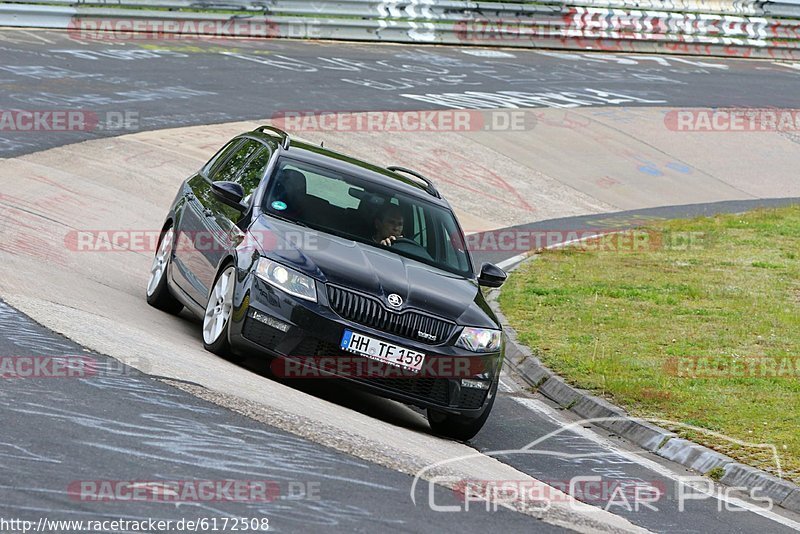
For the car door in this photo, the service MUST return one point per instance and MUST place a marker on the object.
(207, 225)
(188, 225)
(225, 225)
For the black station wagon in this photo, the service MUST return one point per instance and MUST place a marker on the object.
(334, 267)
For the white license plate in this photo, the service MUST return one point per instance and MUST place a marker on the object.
(382, 351)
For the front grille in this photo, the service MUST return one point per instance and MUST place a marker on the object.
(370, 312)
(433, 390)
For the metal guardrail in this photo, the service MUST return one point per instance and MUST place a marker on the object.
(446, 9)
(431, 10)
(721, 27)
(786, 8)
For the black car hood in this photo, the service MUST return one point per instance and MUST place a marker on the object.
(374, 271)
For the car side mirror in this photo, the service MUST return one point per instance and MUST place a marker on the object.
(491, 275)
(230, 194)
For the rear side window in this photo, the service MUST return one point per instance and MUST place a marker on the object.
(253, 172)
(227, 171)
(220, 157)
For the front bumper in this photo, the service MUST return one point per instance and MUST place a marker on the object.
(305, 337)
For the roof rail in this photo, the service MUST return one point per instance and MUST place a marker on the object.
(429, 187)
(285, 140)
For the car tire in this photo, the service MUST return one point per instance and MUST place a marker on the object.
(158, 293)
(458, 427)
(217, 316)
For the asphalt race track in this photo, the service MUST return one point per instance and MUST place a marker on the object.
(178, 436)
(341, 459)
(179, 83)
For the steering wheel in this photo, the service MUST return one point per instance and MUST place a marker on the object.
(405, 241)
(410, 246)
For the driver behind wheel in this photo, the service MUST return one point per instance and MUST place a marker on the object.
(388, 226)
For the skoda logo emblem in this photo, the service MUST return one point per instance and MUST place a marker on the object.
(395, 300)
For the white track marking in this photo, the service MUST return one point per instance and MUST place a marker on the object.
(48, 41)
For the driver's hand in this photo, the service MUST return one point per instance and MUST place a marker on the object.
(388, 241)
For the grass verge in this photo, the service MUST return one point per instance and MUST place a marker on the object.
(692, 321)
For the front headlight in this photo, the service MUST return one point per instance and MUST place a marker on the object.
(480, 339)
(287, 279)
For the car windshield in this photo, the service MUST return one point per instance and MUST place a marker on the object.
(349, 207)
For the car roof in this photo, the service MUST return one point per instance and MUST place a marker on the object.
(345, 164)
